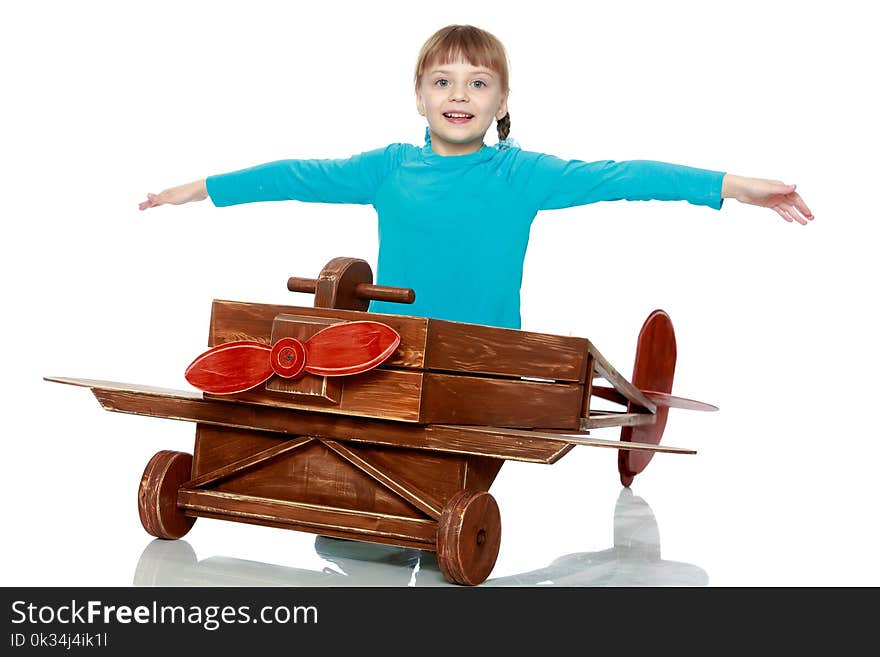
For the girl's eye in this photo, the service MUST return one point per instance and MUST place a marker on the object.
(479, 84)
(442, 83)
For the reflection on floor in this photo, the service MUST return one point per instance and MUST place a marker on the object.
(634, 560)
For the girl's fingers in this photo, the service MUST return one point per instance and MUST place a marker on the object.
(798, 202)
(793, 214)
(151, 202)
(782, 213)
(796, 213)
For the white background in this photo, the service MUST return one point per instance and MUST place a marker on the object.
(106, 101)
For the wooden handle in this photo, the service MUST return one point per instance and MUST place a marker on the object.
(361, 290)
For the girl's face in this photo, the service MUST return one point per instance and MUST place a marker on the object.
(460, 101)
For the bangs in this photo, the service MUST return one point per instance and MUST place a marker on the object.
(463, 43)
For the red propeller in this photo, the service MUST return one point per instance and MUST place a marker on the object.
(338, 350)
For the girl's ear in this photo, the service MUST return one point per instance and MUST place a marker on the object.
(420, 104)
(502, 109)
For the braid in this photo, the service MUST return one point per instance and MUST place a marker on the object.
(504, 127)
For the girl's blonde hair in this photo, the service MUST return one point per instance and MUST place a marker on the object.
(469, 44)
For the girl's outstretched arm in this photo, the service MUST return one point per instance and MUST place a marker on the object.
(768, 194)
(194, 191)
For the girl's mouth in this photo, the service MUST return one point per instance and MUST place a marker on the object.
(457, 117)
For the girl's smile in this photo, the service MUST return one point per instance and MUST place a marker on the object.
(458, 117)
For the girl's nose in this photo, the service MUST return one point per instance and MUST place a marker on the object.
(458, 92)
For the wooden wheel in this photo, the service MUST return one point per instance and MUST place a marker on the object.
(653, 370)
(157, 495)
(468, 537)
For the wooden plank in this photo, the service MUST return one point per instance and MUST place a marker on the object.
(417, 498)
(610, 394)
(509, 444)
(588, 385)
(307, 517)
(620, 383)
(315, 474)
(433, 397)
(392, 393)
(574, 439)
(459, 347)
(242, 465)
(236, 320)
(672, 401)
(659, 398)
(188, 406)
(216, 446)
(600, 420)
(436, 475)
(451, 399)
(481, 472)
(379, 393)
(336, 532)
(99, 384)
(454, 346)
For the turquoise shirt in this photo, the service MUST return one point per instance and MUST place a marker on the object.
(455, 228)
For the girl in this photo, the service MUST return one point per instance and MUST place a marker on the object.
(456, 211)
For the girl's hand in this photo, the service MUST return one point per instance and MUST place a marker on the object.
(194, 191)
(767, 194)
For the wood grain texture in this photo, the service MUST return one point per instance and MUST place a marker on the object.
(216, 447)
(452, 353)
(459, 347)
(347, 476)
(312, 474)
(338, 281)
(239, 466)
(419, 499)
(379, 393)
(492, 442)
(580, 438)
(236, 320)
(481, 472)
(468, 537)
(512, 445)
(157, 495)
(451, 399)
(587, 394)
(432, 397)
(308, 517)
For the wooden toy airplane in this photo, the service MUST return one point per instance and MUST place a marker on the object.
(385, 428)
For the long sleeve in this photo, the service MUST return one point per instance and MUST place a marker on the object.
(351, 180)
(558, 183)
